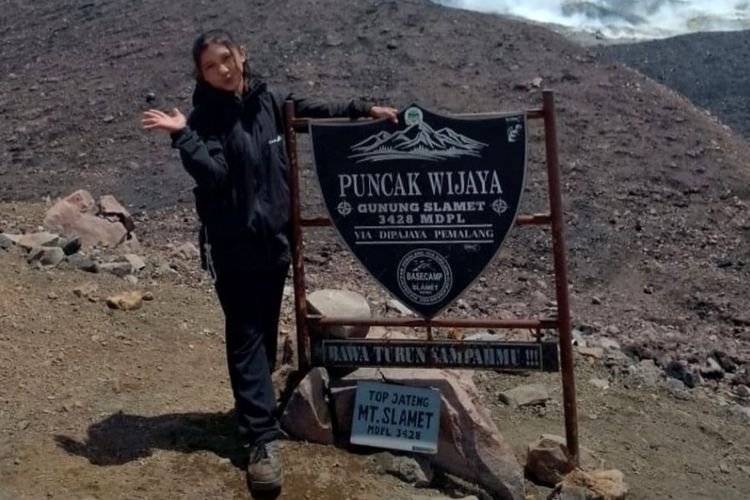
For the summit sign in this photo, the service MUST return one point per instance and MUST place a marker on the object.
(426, 203)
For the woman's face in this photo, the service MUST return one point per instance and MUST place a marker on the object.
(221, 67)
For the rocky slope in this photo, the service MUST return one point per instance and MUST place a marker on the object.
(656, 189)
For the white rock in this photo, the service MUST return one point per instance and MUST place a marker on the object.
(339, 303)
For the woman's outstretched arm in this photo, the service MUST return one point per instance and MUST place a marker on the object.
(203, 158)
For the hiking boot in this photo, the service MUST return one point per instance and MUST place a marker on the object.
(264, 469)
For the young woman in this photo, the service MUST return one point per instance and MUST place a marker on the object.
(233, 146)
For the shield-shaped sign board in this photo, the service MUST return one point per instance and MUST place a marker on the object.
(424, 204)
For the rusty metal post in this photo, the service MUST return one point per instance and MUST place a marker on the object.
(561, 277)
(298, 268)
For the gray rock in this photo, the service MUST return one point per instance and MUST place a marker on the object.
(525, 395)
(83, 263)
(46, 256)
(609, 344)
(725, 361)
(742, 391)
(578, 339)
(33, 240)
(482, 335)
(413, 470)
(70, 245)
(339, 303)
(120, 269)
(6, 242)
(712, 370)
(186, 251)
(399, 307)
(599, 383)
(741, 411)
(136, 262)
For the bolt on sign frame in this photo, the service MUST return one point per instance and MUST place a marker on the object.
(540, 355)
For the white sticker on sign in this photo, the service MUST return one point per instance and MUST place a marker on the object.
(396, 417)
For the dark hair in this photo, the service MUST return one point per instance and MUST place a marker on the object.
(207, 38)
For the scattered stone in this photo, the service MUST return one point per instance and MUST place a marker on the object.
(87, 291)
(414, 470)
(727, 363)
(596, 300)
(525, 395)
(340, 303)
(46, 256)
(333, 40)
(120, 269)
(392, 45)
(126, 301)
(578, 339)
(548, 459)
(133, 280)
(591, 352)
(712, 370)
(35, 240)
(612, 330)
(599, 383)
(306, 415)
(483, 335)
(70, 245)
(741, 411)
(609, 345)
(597, 484)
(470, 445)
(678, 371)
(399, 307)
(136, 262)
(317, 259)
(742, 391)
(6, 242)
(83, 263)
(148, 296)
(186, 251)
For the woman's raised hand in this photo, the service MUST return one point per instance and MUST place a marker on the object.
(384, 112)
(155, 119)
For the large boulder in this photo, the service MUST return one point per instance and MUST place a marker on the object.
(469, 444)
(340, 303)
(75, 215)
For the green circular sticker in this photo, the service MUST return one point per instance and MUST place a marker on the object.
(413, 115)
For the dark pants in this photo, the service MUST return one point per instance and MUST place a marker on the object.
(251, 300)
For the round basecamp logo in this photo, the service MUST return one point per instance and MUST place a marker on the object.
(424, 276)
(413, 115)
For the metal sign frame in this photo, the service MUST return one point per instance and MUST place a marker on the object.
(370, 348)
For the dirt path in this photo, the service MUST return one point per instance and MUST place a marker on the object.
(110, 404)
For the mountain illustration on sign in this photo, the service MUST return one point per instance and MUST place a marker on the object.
(418, 141)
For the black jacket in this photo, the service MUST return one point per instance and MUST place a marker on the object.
(234, 149)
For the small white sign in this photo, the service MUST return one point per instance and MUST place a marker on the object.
(396, 416)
